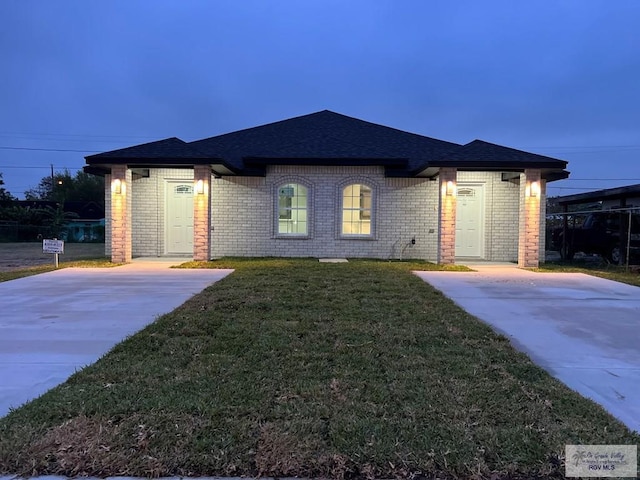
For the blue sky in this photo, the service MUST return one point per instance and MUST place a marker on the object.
(559, 78)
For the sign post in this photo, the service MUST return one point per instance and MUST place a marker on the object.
(54, 246)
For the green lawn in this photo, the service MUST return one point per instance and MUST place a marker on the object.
(292, 367)
(35, 270)
(610, 272)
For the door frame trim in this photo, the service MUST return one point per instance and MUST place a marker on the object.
(167, 190)
(481, 221)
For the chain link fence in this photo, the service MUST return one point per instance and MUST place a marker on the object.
(613, 235)
(76, 232)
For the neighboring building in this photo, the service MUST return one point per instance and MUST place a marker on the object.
(326, 185)
(88, 224)
(609, 224)
(608, 198)
(84, 221)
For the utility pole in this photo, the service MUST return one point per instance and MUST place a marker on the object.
(52, 182)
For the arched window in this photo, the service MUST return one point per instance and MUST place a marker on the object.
(357, 203)
(293, 209)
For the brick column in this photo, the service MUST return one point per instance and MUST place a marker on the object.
(202, 213)
(120, 214)
(530, 213)
(543, 221)
(447, 216)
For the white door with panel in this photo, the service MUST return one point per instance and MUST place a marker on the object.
(470, 220)
(179, 217)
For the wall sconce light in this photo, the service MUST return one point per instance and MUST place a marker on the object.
(450, 188)
(200, 187)
(535, 189)
(117, 186)
(532, 189)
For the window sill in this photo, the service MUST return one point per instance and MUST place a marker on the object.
(356, 237)
(291, 236)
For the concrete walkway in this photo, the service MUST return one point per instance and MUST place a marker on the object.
(584, 330)
(56, 323)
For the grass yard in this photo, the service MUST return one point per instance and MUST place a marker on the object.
(28, 271)
(610, 272)
(19, 260)
(296, 368)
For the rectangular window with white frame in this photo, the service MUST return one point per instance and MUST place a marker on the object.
(293, 210)
(357, 204)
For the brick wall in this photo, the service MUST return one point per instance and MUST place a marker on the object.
(120, 214)
(501, 214)
(531, 235)
(243, 210)
(447, 219)
(107, 215)
(148, 203)
(243, 213)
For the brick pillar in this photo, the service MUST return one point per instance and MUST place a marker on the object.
(447, 216)
(543, 221)
(120, 214)
(530, 213)
(202, 213)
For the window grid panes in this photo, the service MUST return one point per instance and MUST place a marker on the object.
(356, 210)
(292, 209)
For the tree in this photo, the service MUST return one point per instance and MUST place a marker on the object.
(83, 187)
(4, 194)
(57, 219)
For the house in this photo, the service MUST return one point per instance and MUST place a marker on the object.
(87, 223)
(326, 185)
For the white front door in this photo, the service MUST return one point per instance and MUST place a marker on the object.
(179, 217)
(470, 220)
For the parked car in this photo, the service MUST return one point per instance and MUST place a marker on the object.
(599, 234)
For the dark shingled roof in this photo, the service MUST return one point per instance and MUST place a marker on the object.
(324, 135)
(169, 148)
(326, 138)
(490, 154)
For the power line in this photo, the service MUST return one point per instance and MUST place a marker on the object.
(601, 179)
(36, 167)
(50, 149)
(88, 135)
(584, 146)
(575, 188)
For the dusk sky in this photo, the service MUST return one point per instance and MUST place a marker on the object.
(559, 78)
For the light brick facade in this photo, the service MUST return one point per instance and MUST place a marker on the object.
(240, 218)
(501, 214)
(120, 224)
(244, 215)
(447, 216)
(530, 226)
(202, 213)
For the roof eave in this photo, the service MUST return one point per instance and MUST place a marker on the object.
(104, 164)
(603, 194)
(499, 164)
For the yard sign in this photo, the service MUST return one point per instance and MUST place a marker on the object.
(54, 246)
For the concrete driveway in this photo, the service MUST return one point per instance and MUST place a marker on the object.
(56, 323)
(584, 330)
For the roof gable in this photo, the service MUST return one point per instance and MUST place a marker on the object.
(326, 138)
(327, 135)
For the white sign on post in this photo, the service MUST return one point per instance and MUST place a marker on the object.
(52, 246)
